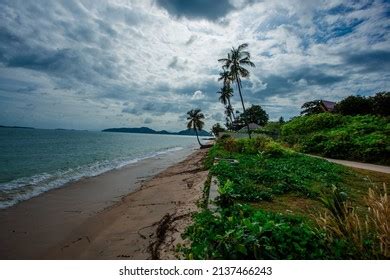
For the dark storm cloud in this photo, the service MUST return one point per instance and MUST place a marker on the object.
(80, 63)
(83, 60)
(276, 85)
(296, 79)
(314, 76)
(209, 88)
(160, 108)
(13, 85)
(15, 52)
(45, 60)
(8, 41)
(155, 108)
(211, 10)
(369, 61)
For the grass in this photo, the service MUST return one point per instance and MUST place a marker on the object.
(367, 235)
(277, 204)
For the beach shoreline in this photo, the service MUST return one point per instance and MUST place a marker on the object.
(73, 221)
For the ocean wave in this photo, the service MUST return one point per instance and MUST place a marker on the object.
(25, 188)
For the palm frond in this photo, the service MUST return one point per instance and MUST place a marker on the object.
(242, 46)
(245, 54)
(246, 61)
(223, 59)
(243, 72)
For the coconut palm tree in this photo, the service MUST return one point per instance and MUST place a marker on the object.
(224, 96)
(225, 76)
(227, 79)
(195, 118)
(234, 64)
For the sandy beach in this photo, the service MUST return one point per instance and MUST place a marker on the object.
(116, 215)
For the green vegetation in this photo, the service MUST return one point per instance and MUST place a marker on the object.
(216, 129)
(379, 104)
(278, 204)
(362, 138)
(353, 105)
(271, 129)
(254, 114)
(266, 169)
(242, 232)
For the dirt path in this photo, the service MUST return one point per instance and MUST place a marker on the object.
(360, 165)
(146, 224)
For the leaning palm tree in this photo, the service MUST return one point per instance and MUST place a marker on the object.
(237, 58)
(195, 118)
(224, 96)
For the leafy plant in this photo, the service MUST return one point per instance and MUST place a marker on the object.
(240, 232)
(226, 194)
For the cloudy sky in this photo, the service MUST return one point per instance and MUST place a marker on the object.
(98, 64)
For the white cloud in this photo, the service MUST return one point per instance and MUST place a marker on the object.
(198, 95)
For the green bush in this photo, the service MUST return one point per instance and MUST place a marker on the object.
(362, 138)
(271, 129)
(307, 124)
(254, 145)
(240, 232)
(274, 149)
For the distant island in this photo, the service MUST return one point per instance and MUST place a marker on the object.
(148, 130)
(24, 127)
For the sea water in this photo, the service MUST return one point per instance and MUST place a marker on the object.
(33, 161)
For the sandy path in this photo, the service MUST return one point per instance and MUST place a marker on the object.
(128, 229)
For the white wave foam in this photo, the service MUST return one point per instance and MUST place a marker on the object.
(25, 188)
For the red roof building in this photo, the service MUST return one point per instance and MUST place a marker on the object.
(327, 106)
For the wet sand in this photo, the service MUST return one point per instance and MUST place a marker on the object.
(110, 216)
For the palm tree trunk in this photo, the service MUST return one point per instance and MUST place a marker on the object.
(243, 106)
(230, 105)
(197, 137)
(228, 114)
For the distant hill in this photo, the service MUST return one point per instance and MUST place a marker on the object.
(192, 132)
(148, 130)
(132, 130)
(24, 127)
